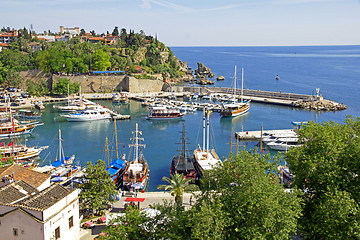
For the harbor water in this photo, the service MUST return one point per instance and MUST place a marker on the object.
(333, 69)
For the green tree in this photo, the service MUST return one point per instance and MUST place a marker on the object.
(178, 184)
(82, 32)
(131, 226)
(101, 60)
(115, 31)
(98, 189)
(327, 166)
(37, 88)
(12, 78)
(249, 199)
(62, 84)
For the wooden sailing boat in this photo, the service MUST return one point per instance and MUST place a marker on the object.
(116, 168)
(205, 158)
(236, 108)
(183, 163)
(137, 170)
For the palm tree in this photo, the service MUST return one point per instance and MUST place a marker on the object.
(177, 186)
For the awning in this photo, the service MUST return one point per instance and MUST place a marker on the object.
(129, 199)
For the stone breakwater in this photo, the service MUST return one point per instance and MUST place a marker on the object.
(320, 105)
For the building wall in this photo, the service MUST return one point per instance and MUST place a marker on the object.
(44, 185)
(26, 227)
(58, 216)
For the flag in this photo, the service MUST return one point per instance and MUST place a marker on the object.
(2, 144)
(11, 143)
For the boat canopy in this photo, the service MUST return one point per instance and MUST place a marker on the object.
(114, 166)
(60, 162)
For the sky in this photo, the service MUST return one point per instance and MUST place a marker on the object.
(198, 22)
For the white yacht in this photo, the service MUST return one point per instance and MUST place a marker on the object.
(88, 115)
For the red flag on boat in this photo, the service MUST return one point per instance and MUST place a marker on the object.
(11, 143)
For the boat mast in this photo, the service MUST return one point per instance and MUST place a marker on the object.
(242, 84)
(235, 84)
(116, 143)
(137, 145)
(208, 132)
(107, 150)
(68, 100)
(204, 120)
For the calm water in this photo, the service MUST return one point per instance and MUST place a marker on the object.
(335, 70)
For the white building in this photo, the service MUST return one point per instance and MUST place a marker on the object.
(26, 213)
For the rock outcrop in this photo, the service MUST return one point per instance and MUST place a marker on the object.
(320, 105)
(203, 72)
(204, 81)
(220, 78)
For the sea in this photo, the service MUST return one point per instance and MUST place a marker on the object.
(334, 70)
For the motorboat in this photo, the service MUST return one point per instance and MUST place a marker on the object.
(29, 114)
(282, 145)
(162, 112)
(88, 114)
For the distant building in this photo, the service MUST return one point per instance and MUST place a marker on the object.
(3, 46)
(35, 46)
(16, 172)
(8, 37)
(50, 214)
(72, 31)
(49, 38)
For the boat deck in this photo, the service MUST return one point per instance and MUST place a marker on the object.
(256, 135)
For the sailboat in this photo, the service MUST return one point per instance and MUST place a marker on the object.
(205, 159)
(116, 168)
(72, 104)
(183, 163)
(236, 108)
(137, 171)
(62, 169)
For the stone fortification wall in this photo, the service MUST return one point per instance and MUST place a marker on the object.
(92, 84)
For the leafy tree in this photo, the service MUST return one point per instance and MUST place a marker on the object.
(39, 88)
(115, 31)
(82, 32)
(12, 78)
(178, 184)
(101, 60)
(130, 226)
(98, 189)
(62, 84)
(327, 166)
(250, 202)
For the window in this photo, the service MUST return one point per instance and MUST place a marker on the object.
(15, 231)
(57, 233)
(71, 222)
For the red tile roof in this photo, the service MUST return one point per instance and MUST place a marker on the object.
(4, 45)
(32, 177)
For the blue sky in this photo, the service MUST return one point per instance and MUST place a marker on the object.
(199, 22)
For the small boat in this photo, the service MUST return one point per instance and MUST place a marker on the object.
(116, 168)
(277, 77)
(88, 115)
(13, 128)
(236, 108)
(29, 114)
(184, 163)
(21, 154)
(137, 170)
(282, 145)
(62, 169)
(122, 98)
(205, 159)
(162, 112)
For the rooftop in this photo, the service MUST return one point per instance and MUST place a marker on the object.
(44, 199)
(15, 191)
(33, 178)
